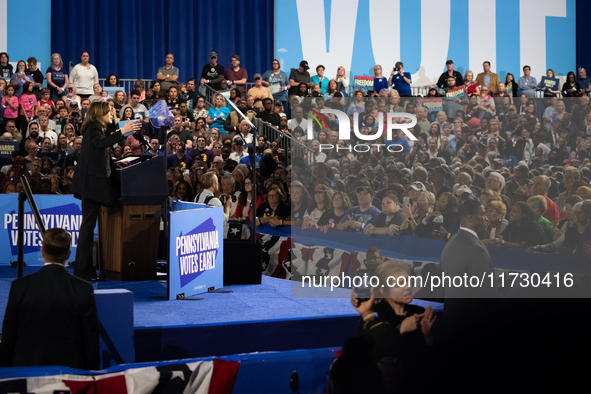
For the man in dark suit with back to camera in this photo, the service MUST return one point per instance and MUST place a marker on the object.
(51, 316)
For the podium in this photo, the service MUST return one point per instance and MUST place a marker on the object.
(128, 231)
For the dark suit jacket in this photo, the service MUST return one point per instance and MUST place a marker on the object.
(92, 178)
(50, 319)
(468, 312)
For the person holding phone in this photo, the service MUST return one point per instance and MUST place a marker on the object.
(92, 182)
(72, 97)
(19, 78)
(400, 80)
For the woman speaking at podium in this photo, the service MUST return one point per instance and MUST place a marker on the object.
(92, 179)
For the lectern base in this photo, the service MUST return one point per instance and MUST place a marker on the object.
(128, 239)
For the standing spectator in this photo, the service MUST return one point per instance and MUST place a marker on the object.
(84, 75)
(28, 104)
(400, 80)
(51, 315)
(37, 76)
(379, 81)
(169, 74)
(319, 79)
(527, 84)
(276, 76)
(259, 92)
(237, 76)
(217, 114)
(212, 73)
(10, 103)
(488, 78)
(5, 67)
(443, 78)
(584, 81)
(57, 77)
(19, 78)
(297, 76)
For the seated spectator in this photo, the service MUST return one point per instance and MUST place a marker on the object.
(522, 230)
(97, 92)
(244, 206)
(320, 204)
(570, 238)
(389, 221)
(571, 87)
(268, 116)
(527, 84)
(140, 111)
(173, 100)
(332, 217)
(275, 210)
(443, 221)
(358, 217)
(539, 207)
(420, 208)
(495, 213)
(244, 134)
(183, 191)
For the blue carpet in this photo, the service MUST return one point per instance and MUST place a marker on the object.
(251, 318)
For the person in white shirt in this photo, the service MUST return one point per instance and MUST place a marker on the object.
(239, 152)
(84, 75)
(298, 121)
(245, 136)
(210, 184)
(45, 131)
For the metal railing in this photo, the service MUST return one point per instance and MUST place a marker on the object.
(292, 147)
(128, 84)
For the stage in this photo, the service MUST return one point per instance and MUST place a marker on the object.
(251, 318)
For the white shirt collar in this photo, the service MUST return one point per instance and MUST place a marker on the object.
(50, 263)
(469, 230)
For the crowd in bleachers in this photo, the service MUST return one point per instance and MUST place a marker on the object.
(524, 157)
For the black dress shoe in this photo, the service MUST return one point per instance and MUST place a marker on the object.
(95, 279)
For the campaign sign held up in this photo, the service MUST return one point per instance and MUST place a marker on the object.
(196, 250)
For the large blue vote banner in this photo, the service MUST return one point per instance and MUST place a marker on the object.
(63, 211)
(196, 257)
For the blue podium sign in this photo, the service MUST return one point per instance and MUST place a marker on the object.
(196, 261)
(63, 211)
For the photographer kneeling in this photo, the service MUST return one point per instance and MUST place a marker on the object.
(400, 331)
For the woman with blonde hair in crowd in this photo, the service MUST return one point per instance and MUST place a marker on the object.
(342, 80)
(471, 86)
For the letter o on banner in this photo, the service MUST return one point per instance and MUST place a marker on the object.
(361, 151)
